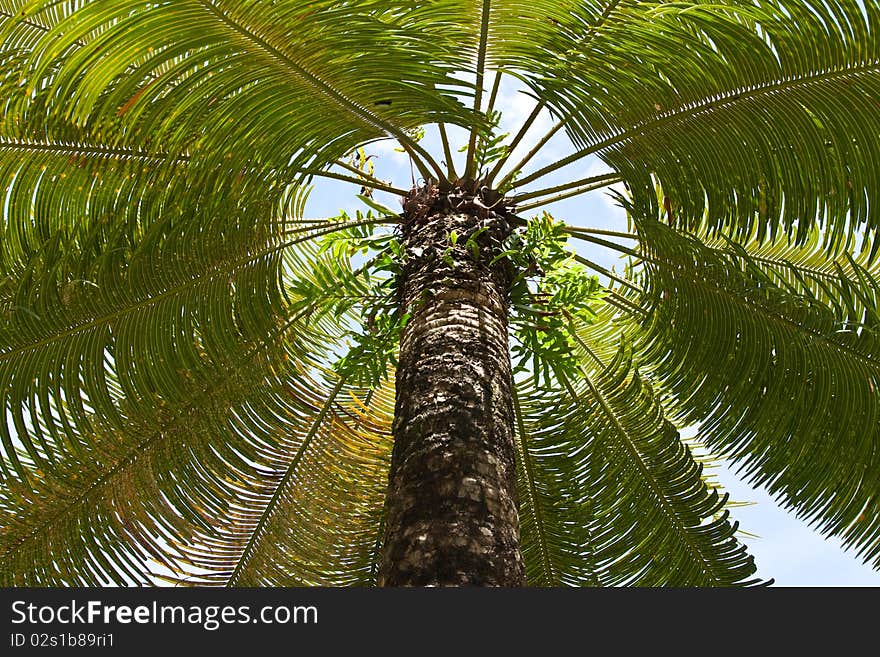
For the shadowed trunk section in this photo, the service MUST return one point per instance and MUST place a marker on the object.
(451, 510)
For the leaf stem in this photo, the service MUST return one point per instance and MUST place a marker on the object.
(602, 270)
(528, 157)
(516, 140)
(590, 183)
(447, 151)
(471, 162)
(363, 182)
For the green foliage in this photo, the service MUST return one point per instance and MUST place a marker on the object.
(374, 351)
(595, 452)
(764, 114)
(196, 381)
(372, 347)
(779, 361)
(416, 134)
(549, 295)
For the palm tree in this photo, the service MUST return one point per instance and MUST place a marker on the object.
(202, 385)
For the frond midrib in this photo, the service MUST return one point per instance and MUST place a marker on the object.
(724, 99)
(780, 261)
(25, 21)
(217, 271)
(155, 437)
(482, 44)
(272, 504)
(713, 103)
(528, 468)
(80, 148)
(345, 103)
(636, 456)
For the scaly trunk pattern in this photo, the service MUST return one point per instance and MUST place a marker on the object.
(451, 514)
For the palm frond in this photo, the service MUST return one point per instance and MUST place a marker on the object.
(836, 276)
(780, 362)
(736, 107)
(103, 514)
(616, 497)
(182, 395)
(313, 511)
(144, 311)
(147, 454)
(253, 86)
(555, 523)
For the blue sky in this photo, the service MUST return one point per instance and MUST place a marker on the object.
(785, 547)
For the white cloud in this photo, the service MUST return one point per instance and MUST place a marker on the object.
(386, 149)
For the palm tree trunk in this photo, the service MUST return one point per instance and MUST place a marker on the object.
(451, 512)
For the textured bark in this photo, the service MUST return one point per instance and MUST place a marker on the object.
(451, 511)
